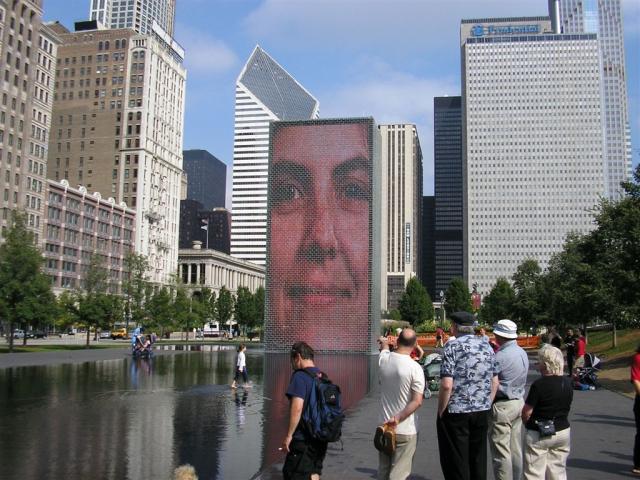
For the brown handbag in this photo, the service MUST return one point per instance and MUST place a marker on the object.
(385, 439)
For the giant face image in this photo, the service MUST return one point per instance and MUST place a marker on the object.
(318, 260)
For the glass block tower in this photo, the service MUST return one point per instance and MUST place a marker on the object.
(604, 17)
(533, 143)
(264, 91)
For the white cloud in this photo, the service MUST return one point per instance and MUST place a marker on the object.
(391, 96)
(204, 53)
(352, 24)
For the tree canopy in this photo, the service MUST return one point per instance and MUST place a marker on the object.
(415, 305)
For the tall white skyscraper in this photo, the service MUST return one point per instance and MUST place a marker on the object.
(136, 14)
(264, 91)
(532, 142)
(401, 206)
(604, 17)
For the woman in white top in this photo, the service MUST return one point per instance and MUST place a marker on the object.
(241, 367)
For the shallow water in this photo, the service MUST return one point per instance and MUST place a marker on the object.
(139, 419)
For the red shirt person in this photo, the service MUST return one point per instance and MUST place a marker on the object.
(581, 349)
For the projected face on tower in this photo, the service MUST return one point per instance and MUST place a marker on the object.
(319, 234)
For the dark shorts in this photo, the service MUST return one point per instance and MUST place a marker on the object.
(304, 459)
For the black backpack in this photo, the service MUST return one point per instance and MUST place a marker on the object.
(322, 415)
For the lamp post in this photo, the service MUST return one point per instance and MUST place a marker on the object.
(442, 299)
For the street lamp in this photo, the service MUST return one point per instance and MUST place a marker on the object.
(442, 299)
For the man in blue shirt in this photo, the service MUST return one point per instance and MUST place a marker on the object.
(505, 425)
(304, 454)
(469, 381)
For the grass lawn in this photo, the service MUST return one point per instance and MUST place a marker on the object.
(616, 361)
(53, 348)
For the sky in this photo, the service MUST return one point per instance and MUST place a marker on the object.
(380, 58)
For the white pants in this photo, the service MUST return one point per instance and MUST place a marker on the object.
(398, 465)
(505, 439)
(546, 457)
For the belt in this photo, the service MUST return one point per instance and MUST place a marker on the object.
(504, 399)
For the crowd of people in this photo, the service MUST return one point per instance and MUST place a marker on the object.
(482, 405)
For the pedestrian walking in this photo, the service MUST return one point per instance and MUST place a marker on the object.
(469, 381)
(546, 418)
(241, 367)
(635, 379)
(305, 455)
(402, 388)
(505, 425)
(569, 342)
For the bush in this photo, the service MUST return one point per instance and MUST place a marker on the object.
(391, 325)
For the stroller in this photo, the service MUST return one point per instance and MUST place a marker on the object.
(588, 375)
(431, 370)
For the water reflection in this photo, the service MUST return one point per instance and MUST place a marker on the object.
(140, 418)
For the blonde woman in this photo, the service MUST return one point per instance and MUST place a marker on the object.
(545, 415)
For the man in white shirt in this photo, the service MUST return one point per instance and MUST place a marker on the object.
(402, 388)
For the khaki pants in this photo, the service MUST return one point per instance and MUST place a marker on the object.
(546, 457)
(505, 439)
(398, 465)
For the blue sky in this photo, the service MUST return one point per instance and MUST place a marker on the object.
(383, 58)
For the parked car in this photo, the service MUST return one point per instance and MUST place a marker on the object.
(105, 334)
(38, 334)
(17, 333)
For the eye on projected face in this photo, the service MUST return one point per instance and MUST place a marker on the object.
(319, 207)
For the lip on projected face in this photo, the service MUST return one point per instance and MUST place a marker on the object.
(316, 294)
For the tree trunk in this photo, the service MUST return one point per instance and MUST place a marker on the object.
(614, 342)
(10, 337)
(88, 336)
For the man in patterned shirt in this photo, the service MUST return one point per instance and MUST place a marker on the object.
(468, 385)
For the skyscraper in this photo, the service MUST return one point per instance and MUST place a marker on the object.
(264, 92)
(532, 142)
(447, 159)
(117, 129)
(136, 14)
(206, 177)
(427, 269)
(604, 17)
(28, 50)
(401, 206)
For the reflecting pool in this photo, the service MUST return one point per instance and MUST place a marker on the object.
(139, 419)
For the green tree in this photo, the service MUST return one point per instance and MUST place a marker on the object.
(183, 315)
(244, 308)
(135, 287)
(498, 304)
(160, 310)
(258, 300)
(224, 306)
(91, 306)
(457, 297)
(415, 305)
(25, 292)
(528, 307)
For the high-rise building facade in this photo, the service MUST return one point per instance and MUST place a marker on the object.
(206, 178)
(79, 225)
(532, 142)
(604, 17)
(264, 91)
(210, 227)
(28, 50)
(136, 14)
(447, 160)
(117, 129)
(401, 158)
